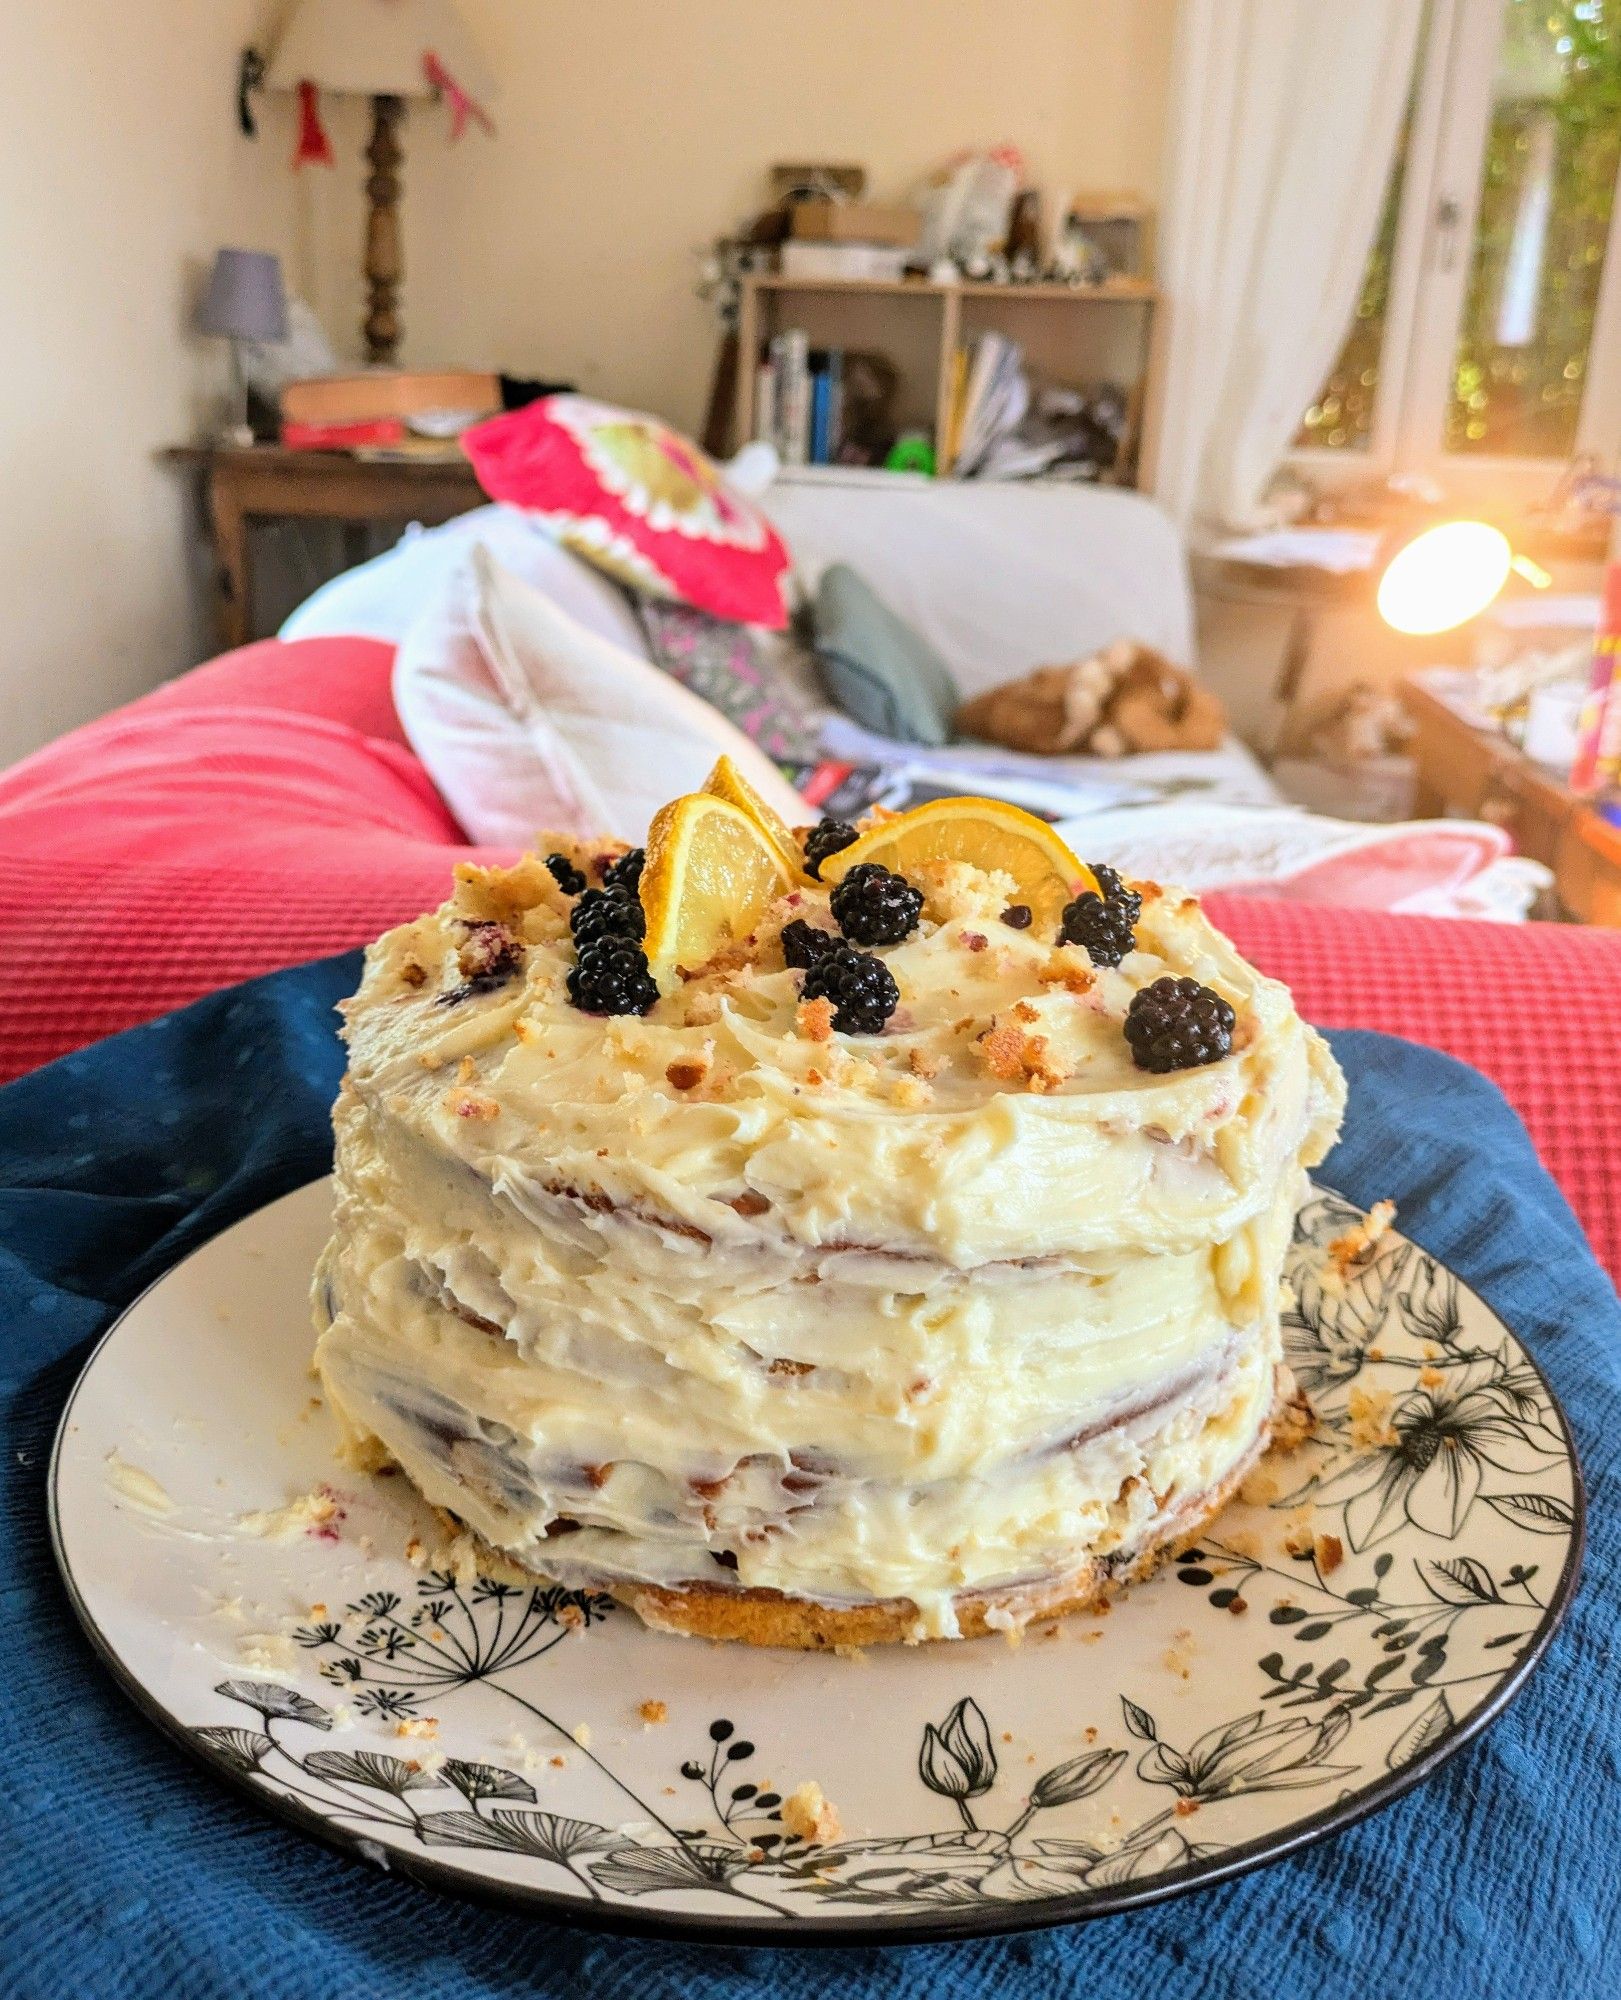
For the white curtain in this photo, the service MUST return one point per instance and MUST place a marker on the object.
(1284, 121)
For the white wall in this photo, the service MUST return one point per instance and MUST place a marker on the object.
(121, 171)
(630, 133)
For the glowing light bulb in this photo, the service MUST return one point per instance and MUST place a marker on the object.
(1444, 577)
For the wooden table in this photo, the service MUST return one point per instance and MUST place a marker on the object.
(1466, 768)
(265, 483)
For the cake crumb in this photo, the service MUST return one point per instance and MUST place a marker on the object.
(1430, 1378)
(1295, 1422)
(318, 1513)
(653, 1713)
(581, 1732)
(923, 1065)
(810, 1816)
(416, 1553)
(1067, 971)
(687, 1072)
(417, 1725)
(1357, 1245)
(814, 1020)
(1009, 1053)
(463, 1103)
(1371, 1429)
(268, 1653)
(1299, 1537)
(1186, 1808)
(1329, 1551)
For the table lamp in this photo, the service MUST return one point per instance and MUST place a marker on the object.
(389, 51)
(1449, 574)
(244, 301)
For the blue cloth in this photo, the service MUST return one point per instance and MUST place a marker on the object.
(127, 1872)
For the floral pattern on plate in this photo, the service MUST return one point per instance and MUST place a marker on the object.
(1375, 1599)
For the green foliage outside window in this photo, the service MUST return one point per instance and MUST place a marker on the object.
(1557, 116)
(1521, 362)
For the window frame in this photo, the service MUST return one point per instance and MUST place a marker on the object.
(1435, 233)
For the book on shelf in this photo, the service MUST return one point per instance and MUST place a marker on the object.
(995, 397)
(799, 400)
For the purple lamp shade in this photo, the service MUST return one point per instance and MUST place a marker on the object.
(244, 300)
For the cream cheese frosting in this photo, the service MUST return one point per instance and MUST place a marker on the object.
(720, 1295)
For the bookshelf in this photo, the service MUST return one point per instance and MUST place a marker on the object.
(1075, 335)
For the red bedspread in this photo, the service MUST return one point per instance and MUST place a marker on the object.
(265, 810)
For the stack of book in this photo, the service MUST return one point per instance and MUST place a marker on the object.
(990, 394)
(799, 400)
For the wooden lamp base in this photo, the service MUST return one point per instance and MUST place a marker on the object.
(385, 259)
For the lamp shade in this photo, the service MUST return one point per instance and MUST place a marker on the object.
(377, 48)
(1444, 577)
(244, 300)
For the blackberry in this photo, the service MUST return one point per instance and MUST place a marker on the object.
(1017, 916)
(1104, 929)
(612, 978)
(827, 837)
(803, 944)
(1178, 1024)
(1115, 892)
(564, 873)
(861, 987)
(600, 913)
(624, 876)
(872, 906)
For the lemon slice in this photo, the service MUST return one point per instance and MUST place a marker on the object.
(986, 834)
(727, 782)
(709, 876)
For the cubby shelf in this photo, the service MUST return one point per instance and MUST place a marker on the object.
(1059, 326)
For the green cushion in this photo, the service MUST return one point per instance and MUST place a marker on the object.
(879, 671)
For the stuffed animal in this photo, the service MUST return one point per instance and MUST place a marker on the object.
(1126, 699)
(1368, 722)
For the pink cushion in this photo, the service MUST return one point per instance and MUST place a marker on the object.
(636, 499)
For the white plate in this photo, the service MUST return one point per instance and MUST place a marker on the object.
(1243, 1703)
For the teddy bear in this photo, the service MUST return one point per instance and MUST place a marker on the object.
(1125, 699)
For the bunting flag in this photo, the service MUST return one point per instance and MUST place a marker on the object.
(314, 148)
(462, 106)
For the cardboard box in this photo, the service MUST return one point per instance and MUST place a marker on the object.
(894, 224)
(353, 399)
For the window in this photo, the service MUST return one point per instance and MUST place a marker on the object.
(1486, 345)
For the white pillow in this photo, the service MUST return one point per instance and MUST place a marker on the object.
(525, 719)
(383, 598)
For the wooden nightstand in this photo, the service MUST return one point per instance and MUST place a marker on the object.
(1465, 767)
(266, 482)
